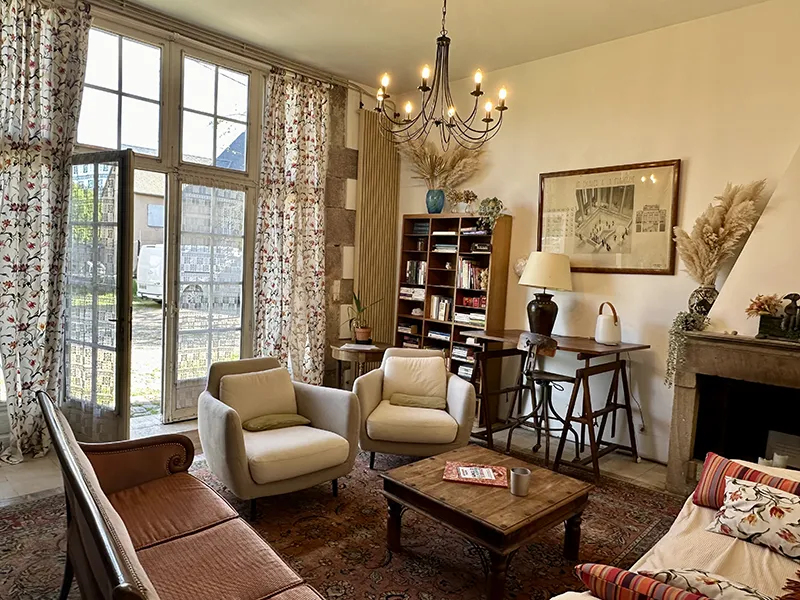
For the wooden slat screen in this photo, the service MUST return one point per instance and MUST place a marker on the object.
(376, 225)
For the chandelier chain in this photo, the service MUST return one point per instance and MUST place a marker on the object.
(444, 17)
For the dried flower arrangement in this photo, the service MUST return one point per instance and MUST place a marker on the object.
(456, 197)
(719, 231)
(442, 170)
(763, 305)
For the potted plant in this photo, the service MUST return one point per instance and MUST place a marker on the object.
(359, 326)
(441, 171)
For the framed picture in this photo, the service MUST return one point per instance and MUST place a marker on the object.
(612, 219)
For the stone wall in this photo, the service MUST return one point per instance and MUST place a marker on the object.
(340, 221)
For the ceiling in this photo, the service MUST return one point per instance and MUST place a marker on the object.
(360, 39)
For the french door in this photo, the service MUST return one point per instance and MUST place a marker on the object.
(206, 301)
(99, 281)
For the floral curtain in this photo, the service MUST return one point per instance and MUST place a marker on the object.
(290, 226)
(43, 49)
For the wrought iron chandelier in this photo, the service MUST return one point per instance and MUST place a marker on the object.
(437, 106)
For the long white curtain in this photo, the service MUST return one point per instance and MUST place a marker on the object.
(290, 226)
(43, 50)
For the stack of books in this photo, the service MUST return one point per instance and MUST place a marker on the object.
(408, 293)
(441, 307)
(439, 335)
(410, 342)
(415, 271)
(445, 248)
(463, 353)
(465, 372)
(421, 227)
(407, 328)
(469, 274)
(474, 231)
(471, 318)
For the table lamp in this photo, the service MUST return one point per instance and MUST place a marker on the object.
(547, 271)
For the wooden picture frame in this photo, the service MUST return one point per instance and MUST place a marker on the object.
(616, 219)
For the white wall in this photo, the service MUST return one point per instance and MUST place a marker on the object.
(720, 93)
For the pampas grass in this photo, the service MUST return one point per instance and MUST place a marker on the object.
(442, 170)
(719, 232)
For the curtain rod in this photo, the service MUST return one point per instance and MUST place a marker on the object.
(148, 18)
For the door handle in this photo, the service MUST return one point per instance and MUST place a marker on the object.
(112, 319)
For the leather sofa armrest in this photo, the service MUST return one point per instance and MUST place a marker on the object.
(126, 464)
(461, 404)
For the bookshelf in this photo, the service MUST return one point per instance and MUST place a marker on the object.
(457, 278)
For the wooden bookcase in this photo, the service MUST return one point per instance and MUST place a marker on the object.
(423, 238)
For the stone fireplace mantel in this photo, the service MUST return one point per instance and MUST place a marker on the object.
(769, 362)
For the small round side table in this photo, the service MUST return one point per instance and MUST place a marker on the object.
(357, 358)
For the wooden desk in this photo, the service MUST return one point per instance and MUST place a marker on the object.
(359, 358)
(587, 350)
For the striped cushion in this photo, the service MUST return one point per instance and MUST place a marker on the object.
(710, 489)
(611, 583)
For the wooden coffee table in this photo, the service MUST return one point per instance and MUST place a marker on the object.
(490, 517)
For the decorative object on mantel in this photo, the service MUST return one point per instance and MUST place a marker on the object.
(438, 108)
(442, 172)
(717, 237)
(547, 271)
(362, 332)
(489, 211)
(612, 219)
(684, 321)
(776, 321)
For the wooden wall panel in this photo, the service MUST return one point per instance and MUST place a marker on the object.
(376, 225)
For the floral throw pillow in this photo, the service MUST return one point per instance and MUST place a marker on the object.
(706, 584)
(761, 515)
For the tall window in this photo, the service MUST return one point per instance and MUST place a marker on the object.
(214, 118)
(122, 93)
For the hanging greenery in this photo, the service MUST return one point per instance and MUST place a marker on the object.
(489, 211)
(684, 321)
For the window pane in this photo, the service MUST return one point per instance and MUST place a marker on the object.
(232, 95)
(198, 85)
(141, 69)
(198, 138)
(98, 122)
(231, 145)
(140, 126)
(102, 64)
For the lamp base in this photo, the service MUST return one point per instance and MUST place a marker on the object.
(542, 312)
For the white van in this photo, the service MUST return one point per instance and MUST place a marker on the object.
(150, 272)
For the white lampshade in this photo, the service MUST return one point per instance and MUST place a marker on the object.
(547, 270)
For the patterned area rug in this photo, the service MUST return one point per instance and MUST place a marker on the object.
(338, 544)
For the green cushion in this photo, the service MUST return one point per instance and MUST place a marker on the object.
(398, 399)
(278, 421)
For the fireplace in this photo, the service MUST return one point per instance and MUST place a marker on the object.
(730, 393)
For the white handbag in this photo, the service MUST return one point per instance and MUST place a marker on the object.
(607, 331)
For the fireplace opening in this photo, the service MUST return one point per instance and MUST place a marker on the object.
(735, 418)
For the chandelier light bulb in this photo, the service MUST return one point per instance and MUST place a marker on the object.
(503, 93)
(478, 77)
(426, 72)
(489, 106)
(385, 80)
(451, 112)
(408, 108)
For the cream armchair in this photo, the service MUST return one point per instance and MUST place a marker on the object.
(267, 463)
(410, 431)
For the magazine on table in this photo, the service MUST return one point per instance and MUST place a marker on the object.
(473, 473)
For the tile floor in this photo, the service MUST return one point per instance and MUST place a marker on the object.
(37, 478)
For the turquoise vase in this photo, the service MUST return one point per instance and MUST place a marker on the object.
(434, 200)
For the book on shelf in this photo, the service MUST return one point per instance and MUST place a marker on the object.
(474, 231)
(470, 274)
(410, 343)
(440, 308)
(407, 328)
(416, 271)
(421, 228)
(445, 248)
(439, 335)
(465, 372)
(463, 353)
(409, 293)
(440, 233)
(472, 318)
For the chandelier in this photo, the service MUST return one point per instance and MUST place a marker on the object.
(437, 108)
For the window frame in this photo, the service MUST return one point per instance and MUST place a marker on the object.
(169, 162)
